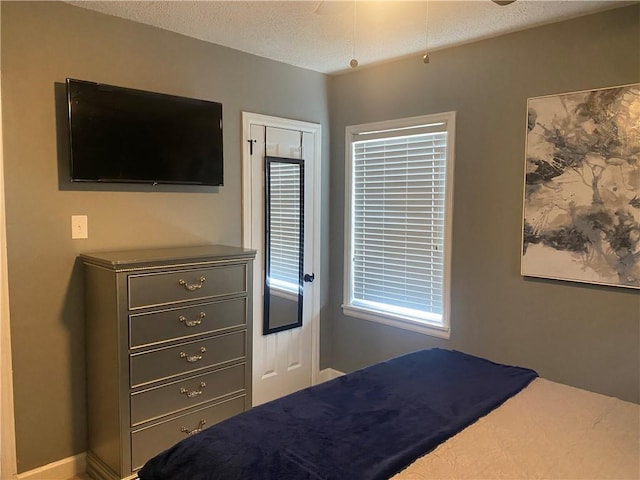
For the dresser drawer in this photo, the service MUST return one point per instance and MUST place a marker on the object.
(183, 394)
(187, 357)
(152, 289)
(155, 327)
(148, 442)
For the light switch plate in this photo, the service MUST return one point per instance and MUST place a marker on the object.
(79, 227)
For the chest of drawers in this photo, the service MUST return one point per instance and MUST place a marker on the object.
(168, 349)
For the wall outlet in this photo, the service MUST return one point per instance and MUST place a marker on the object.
(79, 228)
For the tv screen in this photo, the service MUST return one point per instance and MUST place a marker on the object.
(125, 135)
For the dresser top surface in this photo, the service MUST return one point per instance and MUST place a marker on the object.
(150, 257)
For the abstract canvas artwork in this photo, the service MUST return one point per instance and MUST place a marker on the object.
(582, 187)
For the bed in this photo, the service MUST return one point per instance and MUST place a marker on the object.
(429, 414)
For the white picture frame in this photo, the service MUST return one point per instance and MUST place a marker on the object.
(581, 208)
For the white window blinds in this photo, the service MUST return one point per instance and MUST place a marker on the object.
(285, 181)
(398, 221)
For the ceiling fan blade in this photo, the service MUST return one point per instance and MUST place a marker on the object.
(502, 3)
(331, 7)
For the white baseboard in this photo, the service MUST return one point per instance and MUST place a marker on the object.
(329, 374)
(61, 470)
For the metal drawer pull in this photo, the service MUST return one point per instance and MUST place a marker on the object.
(201, 424)
(193, 358)
(192, 323)
(194, 286)
(193, 393)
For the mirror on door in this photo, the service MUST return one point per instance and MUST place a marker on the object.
(284, 243)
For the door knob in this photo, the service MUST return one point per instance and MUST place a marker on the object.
(309, 278)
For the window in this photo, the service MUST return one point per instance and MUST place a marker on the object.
(398, 222)
(284, 212)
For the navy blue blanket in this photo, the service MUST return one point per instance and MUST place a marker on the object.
(368, 424)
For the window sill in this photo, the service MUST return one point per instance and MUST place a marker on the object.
(398, 322)
(278, 292)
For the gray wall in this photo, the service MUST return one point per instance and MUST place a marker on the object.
(577, 334)
(42, 44)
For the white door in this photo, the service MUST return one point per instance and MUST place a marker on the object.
(284, 361)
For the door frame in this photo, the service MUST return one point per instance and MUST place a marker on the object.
(248, 216)
(8, 460)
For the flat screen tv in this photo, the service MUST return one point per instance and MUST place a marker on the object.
(133, 136)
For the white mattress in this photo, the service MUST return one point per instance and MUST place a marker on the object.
(547, 431)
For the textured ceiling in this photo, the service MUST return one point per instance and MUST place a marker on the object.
(292, 32)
